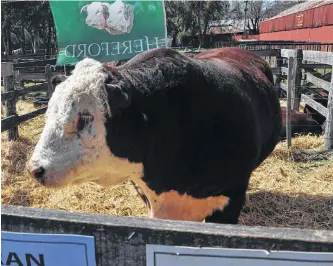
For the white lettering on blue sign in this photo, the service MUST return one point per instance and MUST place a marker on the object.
(28, 249)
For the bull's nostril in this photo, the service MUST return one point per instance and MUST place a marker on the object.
(38, 173)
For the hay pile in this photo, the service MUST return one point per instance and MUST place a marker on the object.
(290, 189)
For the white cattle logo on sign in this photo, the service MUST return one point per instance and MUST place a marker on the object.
(116, 18)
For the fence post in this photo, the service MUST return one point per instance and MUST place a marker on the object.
(7, 72)
(278, 64)
(20, 81)
(328, 139)
(22, 98)
(296, 93)
(48, 76)
(291, 88)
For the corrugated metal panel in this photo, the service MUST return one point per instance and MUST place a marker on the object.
(266, 27)
(329, 15)
(308, 18)
(281, 24)
(321, 16)
(289, 23)
(321, 34)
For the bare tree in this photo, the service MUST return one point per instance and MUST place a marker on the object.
(257, 12)
(261, 10)
(191, 18)
(207, 12)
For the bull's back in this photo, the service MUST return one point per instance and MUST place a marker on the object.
(243, 57)
(254, 80)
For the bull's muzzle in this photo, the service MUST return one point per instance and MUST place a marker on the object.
(37, 172)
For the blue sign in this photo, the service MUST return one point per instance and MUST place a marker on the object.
(25, 249)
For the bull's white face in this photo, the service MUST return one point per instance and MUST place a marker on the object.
(72, 148)
(97, 14)
(121, 17)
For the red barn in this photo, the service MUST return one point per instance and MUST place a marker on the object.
(311, 21)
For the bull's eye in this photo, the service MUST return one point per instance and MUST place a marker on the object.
(84, 119)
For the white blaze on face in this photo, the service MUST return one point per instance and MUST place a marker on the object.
(70, 155)
(97, 14)
(173, 206)
(121, 17)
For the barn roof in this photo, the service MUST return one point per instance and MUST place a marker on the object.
(226, 26)
(302, 7)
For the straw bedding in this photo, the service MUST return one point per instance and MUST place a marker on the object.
(292, 188)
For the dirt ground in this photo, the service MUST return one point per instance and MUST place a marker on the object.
(292, 188)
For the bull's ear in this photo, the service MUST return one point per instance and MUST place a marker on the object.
(57, 79)
(84, 9)
(117, 97)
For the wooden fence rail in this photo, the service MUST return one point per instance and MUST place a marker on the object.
(13, 121)
(315, 80)
(7, 72)
(5, 96)
(10, 95)
(322, 58)
(123, 240)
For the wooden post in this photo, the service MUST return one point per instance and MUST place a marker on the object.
(7, 72)
(123, 240)
(22, 98)
(48, 76)
(291, 88)
(20, 81)
(328, 139)
(278, 64)
(296, 93)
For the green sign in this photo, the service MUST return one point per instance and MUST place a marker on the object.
(107, 30)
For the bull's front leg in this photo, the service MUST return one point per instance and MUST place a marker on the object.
(232, 211)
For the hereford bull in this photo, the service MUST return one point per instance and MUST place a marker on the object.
(322, 98)
(192, 129)
(301, 123)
